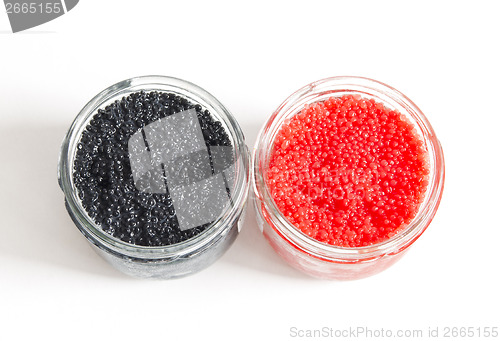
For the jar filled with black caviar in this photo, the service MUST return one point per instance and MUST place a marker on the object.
(155, 175)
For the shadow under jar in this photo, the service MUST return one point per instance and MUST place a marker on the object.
(154, 171)
(334, 209)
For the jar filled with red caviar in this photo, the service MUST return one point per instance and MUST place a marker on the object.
(348, 173)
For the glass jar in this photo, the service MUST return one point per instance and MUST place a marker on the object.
(217, 198)
(320, 259)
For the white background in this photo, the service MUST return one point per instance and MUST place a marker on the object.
(444, 55)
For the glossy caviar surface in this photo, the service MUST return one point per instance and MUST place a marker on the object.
(348, 171)
(103, 176)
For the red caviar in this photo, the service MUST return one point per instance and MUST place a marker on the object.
(348, 171)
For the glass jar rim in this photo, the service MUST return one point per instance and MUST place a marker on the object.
(326, 88)
(165, 84)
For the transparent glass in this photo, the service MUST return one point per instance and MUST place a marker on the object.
(309, 255)
(174, 260)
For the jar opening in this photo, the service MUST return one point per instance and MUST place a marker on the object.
(319, 92)
(184, 143)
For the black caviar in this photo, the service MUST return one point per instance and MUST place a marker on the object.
(103, 175)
